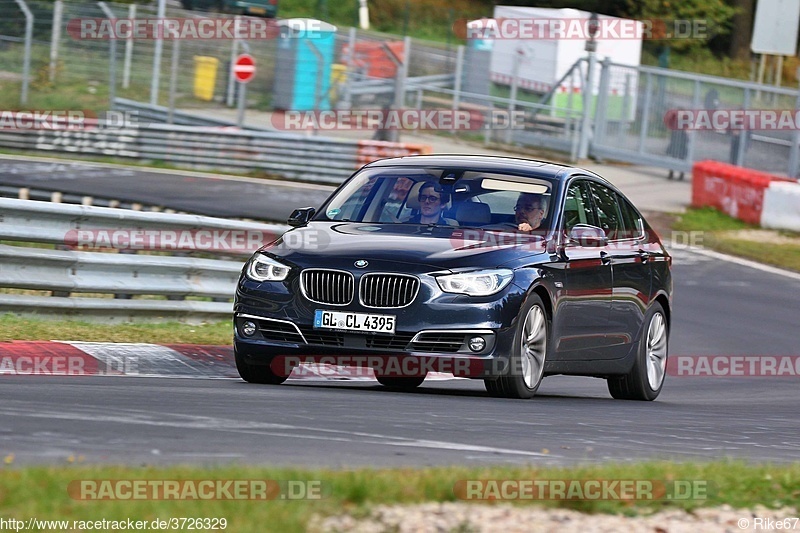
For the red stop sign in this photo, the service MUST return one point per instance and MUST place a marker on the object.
(245, 68)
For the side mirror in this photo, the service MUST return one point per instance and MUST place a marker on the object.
(300, 217)
(587, 236)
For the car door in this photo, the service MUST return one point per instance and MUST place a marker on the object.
(630, 271)
(583, 313)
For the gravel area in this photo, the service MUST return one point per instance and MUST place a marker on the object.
(465, 517)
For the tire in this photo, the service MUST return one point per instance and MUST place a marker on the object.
(261, 374)
(646, 379)
(401, 383)
(525, 370)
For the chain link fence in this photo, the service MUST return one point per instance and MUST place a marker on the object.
(364, 69)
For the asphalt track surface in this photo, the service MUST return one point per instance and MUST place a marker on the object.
(193, 192)
(720, 308)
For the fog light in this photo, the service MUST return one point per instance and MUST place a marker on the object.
(248, 329)
(477, 344)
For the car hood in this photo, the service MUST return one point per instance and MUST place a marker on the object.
(412, 247)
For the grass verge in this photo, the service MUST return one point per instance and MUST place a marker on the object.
(732, 236)
(17, 328)
(42, 492)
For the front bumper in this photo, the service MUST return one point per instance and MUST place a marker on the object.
(433, 331)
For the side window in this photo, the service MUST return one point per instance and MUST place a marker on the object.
(605, 205)
(632, 226)
(577, 208)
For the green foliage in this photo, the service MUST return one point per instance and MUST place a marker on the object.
(717, 16)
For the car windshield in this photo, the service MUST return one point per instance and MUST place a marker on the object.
(462, 198)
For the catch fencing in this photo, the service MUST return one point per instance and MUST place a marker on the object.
(624, 119)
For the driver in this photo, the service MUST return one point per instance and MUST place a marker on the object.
(531, 208)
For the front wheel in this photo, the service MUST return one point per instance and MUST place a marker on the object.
(261, 374)
(646, 378)
(526, 363)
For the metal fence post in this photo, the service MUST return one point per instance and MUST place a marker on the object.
(58, 10)
(691, 136)
(794, 149)
(173, 78)
(350, 61)
(234, 53)
(154, 81)
(602, 100)
(744, 134)
(648, 88)
(457, 82)
(112, 59)
(400, 81)
(26, 61)
(512, 104)
(583, 149)
(126, 72)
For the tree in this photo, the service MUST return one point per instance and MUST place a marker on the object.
(742, 31)
(715, 15)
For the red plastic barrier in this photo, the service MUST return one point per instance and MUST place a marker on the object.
(373, 58)
(737, 191)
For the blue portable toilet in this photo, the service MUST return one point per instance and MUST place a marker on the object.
(303, 63)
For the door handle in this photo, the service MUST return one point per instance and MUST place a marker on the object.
(645, 255)
(605, 258)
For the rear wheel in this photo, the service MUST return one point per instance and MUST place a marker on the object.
(261, 374)
(401, 383)
(526, 363)
(646, 378)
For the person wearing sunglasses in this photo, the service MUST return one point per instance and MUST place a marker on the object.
(531, 208)
(432, 203)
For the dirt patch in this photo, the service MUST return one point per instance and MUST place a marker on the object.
(764, 236)
(661, 222)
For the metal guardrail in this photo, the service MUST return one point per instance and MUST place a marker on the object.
(289, 155)
(148, 113)
(164, 282)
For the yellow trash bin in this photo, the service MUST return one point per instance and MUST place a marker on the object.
(338, 79)
(205, 77)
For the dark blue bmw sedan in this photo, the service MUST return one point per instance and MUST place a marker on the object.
(501, 269)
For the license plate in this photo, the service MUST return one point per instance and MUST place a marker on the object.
(257, 10)
(363, 322)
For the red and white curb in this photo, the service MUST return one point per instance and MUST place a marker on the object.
(74, 358)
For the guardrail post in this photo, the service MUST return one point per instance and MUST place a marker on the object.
(26, 60)
(112, 59)
(58, 10)
(234, 53)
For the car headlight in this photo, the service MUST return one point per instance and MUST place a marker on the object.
(480, 283)
(263, 268)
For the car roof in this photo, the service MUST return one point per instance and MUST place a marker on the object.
(487, 163)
